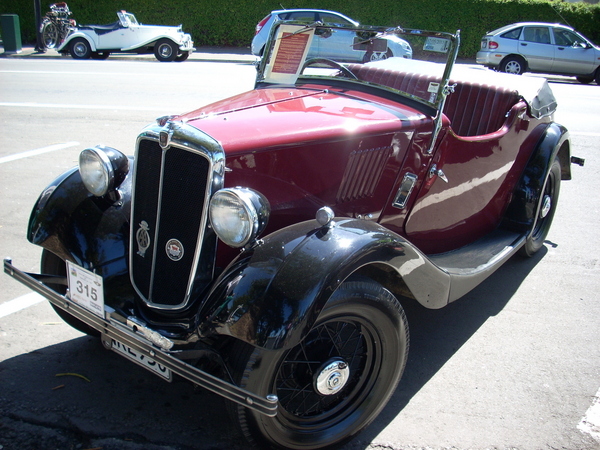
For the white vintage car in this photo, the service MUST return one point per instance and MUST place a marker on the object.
(126, 35)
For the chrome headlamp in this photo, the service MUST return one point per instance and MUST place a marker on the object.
(102, 169)
(238, 215)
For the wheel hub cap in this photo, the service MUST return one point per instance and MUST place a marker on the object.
(332, 377)
(546, 206)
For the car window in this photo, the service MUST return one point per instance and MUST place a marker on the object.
(332, 19)
(512, 34)
(565, 37)
(304, 16)
(540, 35)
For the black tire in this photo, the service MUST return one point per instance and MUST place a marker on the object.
(80, 49)
(357, 350)
(53, 265)
(597, 78)
(49, 33)
(545, 211)
(182, 57)
(513, 64)
(165, 50)
(100, 55)
(585, 80)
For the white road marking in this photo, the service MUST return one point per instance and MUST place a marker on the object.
(590, 423)
(38, 151)
(72, 106)
(19, 303)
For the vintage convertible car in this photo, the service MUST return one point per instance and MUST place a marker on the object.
(263, 246)
(126, 35)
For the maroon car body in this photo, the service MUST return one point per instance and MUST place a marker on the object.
(263, 246)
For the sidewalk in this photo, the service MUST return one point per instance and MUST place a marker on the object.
(202, 54)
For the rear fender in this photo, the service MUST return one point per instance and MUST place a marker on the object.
(554, 143)
(92, 232)
(64, 46)
(272, 296)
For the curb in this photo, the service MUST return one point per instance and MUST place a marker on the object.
(203, 54)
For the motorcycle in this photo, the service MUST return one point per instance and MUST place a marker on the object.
(56, 25)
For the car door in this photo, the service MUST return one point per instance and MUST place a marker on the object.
(536, 46)
(118, 38)
(572, 55)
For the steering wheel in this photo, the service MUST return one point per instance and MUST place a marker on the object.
(333, 64)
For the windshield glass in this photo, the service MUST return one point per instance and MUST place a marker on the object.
(377, 56)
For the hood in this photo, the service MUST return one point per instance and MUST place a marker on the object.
(284, 116)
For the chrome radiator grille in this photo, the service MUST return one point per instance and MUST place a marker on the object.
(168, 223)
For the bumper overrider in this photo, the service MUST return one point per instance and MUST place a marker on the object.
(118, 331)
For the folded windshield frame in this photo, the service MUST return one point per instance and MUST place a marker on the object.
(292, 44)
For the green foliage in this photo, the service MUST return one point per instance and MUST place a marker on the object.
(232, 22)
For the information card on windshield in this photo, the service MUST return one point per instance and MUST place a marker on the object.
(290, 51)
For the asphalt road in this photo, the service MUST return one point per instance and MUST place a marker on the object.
(515, 364)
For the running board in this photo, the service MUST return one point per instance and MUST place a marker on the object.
(468, 266)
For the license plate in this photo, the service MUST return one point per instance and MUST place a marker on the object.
(142, 360)
(86, 289)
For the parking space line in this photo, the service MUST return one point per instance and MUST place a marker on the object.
(19, 303)
(38, 151)
(590, 423)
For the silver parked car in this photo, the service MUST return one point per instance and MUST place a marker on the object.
(340, 42)
(543, 48)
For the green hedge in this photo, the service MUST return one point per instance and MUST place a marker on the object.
(232, 22)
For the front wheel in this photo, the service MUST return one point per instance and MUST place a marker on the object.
(165, 50)
(336, 381)
(182, 57)
(545, 211)
(53, 265)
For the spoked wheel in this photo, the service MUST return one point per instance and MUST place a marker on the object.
(545, 211)
(49, 34)
(336, 381)
(53, 265)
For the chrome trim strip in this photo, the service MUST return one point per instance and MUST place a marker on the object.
(113, 326)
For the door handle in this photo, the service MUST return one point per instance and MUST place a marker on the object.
(434, 171)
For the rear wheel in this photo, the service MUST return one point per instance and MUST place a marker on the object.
(336, 381)
(513, 64)
(165, 50)
(585, 80)
(80, 48)
(545, 211)
(53, 265)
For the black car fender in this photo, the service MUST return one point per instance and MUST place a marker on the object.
(271, 296)
(90, 231)
(553, 143)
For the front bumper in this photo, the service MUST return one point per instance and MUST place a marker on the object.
(129, 332)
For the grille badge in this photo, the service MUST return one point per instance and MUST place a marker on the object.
(143, 238)
(174, 249)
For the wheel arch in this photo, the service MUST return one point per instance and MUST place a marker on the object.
(64, 46)
(92, 232)
(272, 297)
(517, 56)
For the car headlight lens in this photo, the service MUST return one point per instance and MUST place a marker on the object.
(102, 169)
(238, 215)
